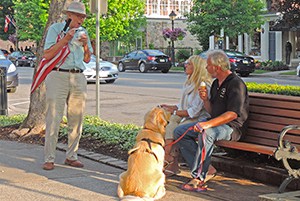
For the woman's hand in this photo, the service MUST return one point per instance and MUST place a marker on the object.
(169, 108)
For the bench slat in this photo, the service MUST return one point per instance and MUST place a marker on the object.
(275, 112)
(268, 118)
(272, 135)
(261, 141)
(275, 103)
(247, 147)
(283, 98)
(265, 126)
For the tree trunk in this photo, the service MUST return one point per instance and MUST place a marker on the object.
(34, 123)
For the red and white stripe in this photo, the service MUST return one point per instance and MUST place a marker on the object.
(46, 66)
(7, 21)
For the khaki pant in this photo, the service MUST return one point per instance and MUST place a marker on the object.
(64, 88)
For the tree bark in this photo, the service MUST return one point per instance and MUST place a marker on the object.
(34, 123)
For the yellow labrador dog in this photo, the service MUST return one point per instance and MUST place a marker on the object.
(144, 178)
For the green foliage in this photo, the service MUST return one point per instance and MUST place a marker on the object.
(31, 18)
(6, 8)
(151, 46)
(271, 65)
(208, 17)
(123, 20)
(11, 120)
(273, 89)
(182, 55)
(110, 133)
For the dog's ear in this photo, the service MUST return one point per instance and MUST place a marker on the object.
(161, 120)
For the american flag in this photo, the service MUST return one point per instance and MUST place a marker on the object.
(47, 65)
(7, 21)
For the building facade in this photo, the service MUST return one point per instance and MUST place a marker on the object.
(265, 44)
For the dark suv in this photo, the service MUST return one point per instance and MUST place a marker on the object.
(239, 62)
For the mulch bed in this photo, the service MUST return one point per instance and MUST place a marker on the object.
(86, 143)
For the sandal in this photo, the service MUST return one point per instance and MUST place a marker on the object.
(194, 185)
(170, 173)
(169, 170)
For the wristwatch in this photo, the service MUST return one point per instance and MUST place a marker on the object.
(174, 112)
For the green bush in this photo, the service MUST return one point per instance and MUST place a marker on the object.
(273, 89)
(271, 65)
(182, 55)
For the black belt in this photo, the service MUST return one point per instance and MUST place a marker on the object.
(68, 70)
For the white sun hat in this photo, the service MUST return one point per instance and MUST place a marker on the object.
(76, 7)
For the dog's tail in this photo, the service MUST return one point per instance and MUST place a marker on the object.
(135, 198)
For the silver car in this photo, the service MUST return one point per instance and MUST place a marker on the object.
(108, 71)
(11, 73)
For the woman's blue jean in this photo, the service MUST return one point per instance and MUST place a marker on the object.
(192, 152)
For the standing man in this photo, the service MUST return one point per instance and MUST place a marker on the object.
(228, 107)
(288, 51)
(65, 84)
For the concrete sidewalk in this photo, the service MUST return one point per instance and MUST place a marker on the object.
(22, 178)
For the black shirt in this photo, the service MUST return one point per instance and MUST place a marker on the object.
(232, 95)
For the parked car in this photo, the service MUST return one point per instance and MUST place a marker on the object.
(12, 78)
(144, 60)
(239, 62)
(5, 52)
(23, 58)
(108, 71)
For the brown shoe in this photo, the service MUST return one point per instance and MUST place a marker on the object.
(74, 163)
(48, 166)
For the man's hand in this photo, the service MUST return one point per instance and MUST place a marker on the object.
(83, 39)
(198, 128)
(203, 93)
(70, 34)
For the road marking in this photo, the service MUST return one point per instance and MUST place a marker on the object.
(20, 103)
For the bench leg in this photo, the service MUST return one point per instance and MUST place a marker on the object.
(285, 183)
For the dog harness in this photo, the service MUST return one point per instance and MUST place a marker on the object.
(149, 141)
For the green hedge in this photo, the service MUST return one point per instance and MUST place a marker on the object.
(273, 89)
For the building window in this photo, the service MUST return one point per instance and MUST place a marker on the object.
(174, 5)
(184, 8)
(164, 7)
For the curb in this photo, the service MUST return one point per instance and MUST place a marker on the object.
(262, 173)
(117, 163)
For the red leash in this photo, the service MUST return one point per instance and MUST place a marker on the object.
(174, 142)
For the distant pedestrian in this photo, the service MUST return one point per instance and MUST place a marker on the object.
(288, 51)
(11, 49)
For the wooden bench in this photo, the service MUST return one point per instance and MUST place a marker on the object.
(272, 130)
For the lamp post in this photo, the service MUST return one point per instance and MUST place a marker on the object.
(172, 16)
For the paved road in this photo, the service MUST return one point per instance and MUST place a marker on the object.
(127, 100)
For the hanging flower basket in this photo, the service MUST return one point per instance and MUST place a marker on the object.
(173, 35)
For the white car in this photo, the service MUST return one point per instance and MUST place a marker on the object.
(298, 70)
(108, 72)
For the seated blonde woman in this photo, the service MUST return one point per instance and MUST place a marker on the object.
(189, 109)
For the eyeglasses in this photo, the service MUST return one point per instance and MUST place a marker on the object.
(79, 16)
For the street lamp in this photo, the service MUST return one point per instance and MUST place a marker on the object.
(172, 16)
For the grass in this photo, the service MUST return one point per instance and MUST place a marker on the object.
(289, 73)
(178, 68)
(258, 71)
